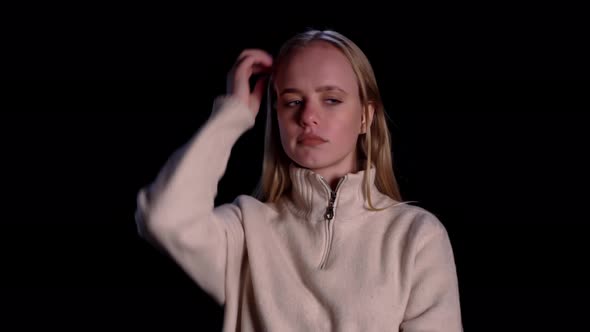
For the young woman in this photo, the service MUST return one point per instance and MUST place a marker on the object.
(326, 243)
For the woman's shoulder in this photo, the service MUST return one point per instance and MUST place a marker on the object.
(249, 203)
(416, 219)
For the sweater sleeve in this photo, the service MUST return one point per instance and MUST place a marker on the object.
(176, 211)
(433, 304)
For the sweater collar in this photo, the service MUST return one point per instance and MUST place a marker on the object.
(310, 194)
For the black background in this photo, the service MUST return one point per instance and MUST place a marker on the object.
(489, 134)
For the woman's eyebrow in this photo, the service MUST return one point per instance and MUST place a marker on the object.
(319, 89)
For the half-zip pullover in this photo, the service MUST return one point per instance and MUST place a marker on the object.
(316, 260)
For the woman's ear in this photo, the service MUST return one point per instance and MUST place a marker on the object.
(364, 123)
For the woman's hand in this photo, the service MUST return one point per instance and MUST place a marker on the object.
(250, 62)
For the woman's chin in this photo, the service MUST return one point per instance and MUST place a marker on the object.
(311, 161)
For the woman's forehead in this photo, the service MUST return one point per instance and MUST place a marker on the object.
(316, 67)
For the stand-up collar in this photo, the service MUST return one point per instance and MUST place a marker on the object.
(310, 194)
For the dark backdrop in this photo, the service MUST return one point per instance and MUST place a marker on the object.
(500, 160)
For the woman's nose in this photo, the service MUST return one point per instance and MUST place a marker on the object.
(308, 115)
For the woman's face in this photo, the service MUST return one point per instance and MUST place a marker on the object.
(317, 96)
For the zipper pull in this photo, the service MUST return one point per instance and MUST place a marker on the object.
(330, 210)
(329, 213)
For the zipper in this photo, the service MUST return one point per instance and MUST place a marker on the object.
(328, 225)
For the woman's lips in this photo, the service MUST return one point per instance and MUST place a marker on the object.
(312, 141)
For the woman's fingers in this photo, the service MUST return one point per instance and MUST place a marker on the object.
(250, 62)
(258, 92)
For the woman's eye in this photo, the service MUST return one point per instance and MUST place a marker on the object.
(292, 103)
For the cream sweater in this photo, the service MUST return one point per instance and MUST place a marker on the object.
(287, 266)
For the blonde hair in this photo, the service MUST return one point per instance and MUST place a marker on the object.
(374, 146)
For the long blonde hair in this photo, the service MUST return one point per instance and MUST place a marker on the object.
(374, 146)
